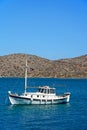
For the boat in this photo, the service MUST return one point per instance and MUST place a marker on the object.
(43, 95)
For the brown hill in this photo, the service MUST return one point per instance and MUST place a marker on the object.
(14, 66)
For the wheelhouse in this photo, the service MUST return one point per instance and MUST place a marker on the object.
(46, 90)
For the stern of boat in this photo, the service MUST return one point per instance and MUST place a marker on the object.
(68, 96)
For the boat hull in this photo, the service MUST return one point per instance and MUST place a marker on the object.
(24, 100)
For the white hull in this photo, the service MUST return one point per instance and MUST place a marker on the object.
(25, 100)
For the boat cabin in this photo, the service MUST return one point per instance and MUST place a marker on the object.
(46, 90)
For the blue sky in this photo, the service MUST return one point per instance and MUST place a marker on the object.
(53, 29)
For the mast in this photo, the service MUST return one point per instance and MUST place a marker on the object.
(25, 77)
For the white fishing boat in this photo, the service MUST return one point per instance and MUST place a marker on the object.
(44, 95)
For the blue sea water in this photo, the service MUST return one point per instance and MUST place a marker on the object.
(70, 116)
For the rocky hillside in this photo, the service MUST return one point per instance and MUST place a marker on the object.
(14, 66)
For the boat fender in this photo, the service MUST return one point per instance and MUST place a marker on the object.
(46, 101)
(31, 97)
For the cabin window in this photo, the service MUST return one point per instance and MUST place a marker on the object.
(43, 96)
(31, 96)
(42, 90)
(45, 91)
(37, 95)
(51, 90)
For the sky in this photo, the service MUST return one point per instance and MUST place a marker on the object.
(52, 29)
